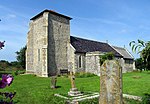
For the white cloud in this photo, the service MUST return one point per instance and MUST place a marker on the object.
(123, 31)
(11, 15)
(101, 20)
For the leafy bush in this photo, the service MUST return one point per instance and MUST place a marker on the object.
(84, 75)
(106, 56)
(18, 72)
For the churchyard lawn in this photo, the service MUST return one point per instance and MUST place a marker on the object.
(36, 90)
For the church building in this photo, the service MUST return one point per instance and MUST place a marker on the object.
(50, 48)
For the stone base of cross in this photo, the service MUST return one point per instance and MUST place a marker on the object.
(74, 92)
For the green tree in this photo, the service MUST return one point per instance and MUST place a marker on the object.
(144, 52)
(21, 57)
(139, 63)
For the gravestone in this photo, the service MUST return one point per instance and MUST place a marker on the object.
(111, 83)
(53, 82)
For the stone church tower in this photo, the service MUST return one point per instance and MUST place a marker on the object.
(48, 43)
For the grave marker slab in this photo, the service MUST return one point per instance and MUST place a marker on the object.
(111, 83)
(53, 82)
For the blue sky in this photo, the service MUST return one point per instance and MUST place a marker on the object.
(118, 21)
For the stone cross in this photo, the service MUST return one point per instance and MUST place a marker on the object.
(111, 83)
(73, 91)
(72, 79)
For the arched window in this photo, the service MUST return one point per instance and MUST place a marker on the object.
(80, 61)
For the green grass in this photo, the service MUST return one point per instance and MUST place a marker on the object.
(36, 90)
(136, 83)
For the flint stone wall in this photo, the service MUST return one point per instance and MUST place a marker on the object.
(48, 44)
(76, 64)
(92, 63)
(126, 67)
(37, 39)
(58, 43)
(71, 59)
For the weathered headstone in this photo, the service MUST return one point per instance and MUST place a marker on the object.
(53, 82)
(73, 91)
(111, 83)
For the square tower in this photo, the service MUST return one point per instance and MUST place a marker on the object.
(48, 43)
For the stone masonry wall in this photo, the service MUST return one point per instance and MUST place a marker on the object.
(125, 66)
(76, 65)
(71, 59)
(128, 67)
(37, 46)
(92, 63)
(29, 51)
(58, 43)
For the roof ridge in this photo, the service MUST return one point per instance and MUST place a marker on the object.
(90, 40)
(119, 47)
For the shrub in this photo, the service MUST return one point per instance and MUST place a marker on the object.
(106, 56)
(18, 72)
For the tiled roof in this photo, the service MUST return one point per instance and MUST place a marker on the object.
(85, 45)
(51, 11)
(123, 52)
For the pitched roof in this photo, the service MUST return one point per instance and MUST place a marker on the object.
(123, 52)
(85, 45)
(50, 11)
